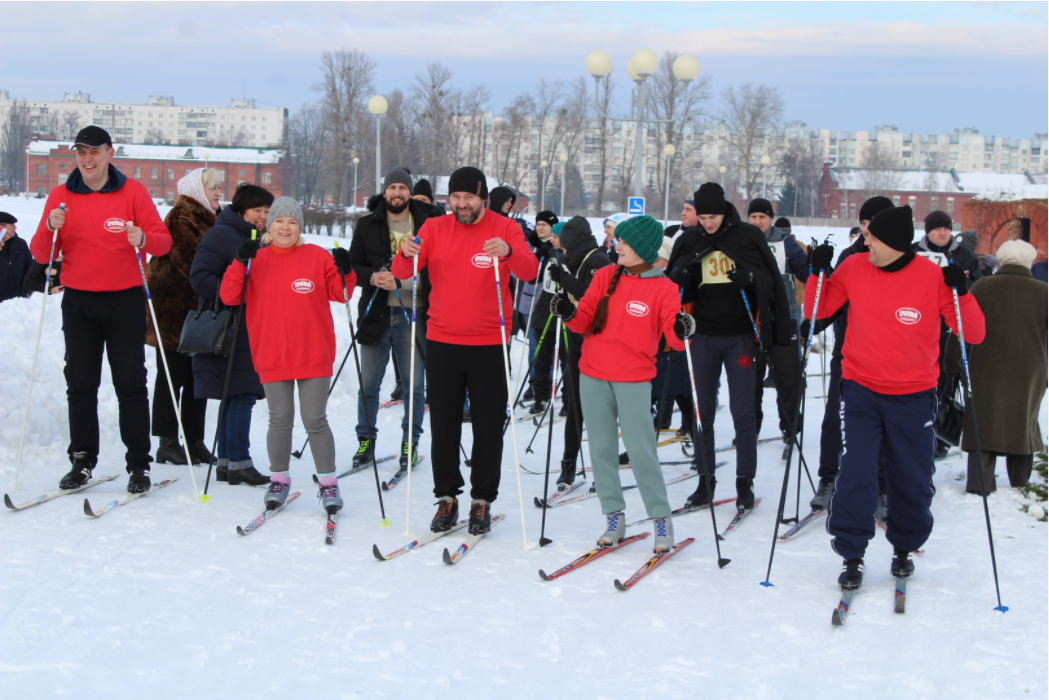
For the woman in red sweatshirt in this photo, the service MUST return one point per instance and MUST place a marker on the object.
(623, 314)
(289, 287)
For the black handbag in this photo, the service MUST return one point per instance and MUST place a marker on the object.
(950, 416)
(208, 331)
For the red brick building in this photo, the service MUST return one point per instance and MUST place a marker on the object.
(159, 168)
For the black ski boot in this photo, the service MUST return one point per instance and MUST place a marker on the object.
(245, 473)
(365, 453)
(624, 459)
(704, 493)
(200, 452)
(902, 566)
(851, 576)
(567, 473)
(138, 482)
(538, 407)
(398, 393)
(80, 473)
(744, 493)
(407, 456)
(170, 452)
(480, 517)
(529, 395)
(447, 514)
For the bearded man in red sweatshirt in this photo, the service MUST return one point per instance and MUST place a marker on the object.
(463, 339)
(890, 367)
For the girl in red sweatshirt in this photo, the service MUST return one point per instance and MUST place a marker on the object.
(623, 314)
(289, 286)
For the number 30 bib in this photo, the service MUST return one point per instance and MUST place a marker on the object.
(716, 267)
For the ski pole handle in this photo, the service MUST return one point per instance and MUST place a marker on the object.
(254, 235)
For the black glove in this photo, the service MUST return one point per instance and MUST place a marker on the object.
(684, 326)
(741, 278)
(556, 271)
(954, 276)
(803, 336)
(248, 250)
(561, 306)
(342, 261)
(543, 251)
(821, 259)
(382, 265)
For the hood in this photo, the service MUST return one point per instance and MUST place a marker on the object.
(500, 196)
(373, 201)
(75, 183)
(731, 221)
(228, 217)
(577, 239)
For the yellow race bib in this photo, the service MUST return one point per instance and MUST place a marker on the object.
(716, 267)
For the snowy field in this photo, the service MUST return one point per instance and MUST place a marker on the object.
(162, 598)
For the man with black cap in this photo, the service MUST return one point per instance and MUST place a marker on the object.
(15, 259)
(888, 387)
(384, 328)
(716, 263)
(422, 191)
(106, 217)
(783, 224)
(464, 338)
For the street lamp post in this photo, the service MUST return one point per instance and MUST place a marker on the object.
(542, 184)
(378, 106)
(564, 162)
(642, 65)
(765, 160)
(722, 170)
(669, 152)
(356, 160)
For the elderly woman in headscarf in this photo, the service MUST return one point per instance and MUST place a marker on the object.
(1008, 370)
(173, 298)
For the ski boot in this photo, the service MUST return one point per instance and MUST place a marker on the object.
(277, 493)
(480, 517)
(328, 494)
(851, 576)
(79, 474)
(882, 513)
(744, 493)
(447, 514)
(942, 449)
(398, 392)
(704, 493)
(624, 459)
(902, 566)
(538, 407)
(615, 529)
(567, 474)
(138, 481)
(222, 469)
(409, 456)
(564, 411)
(528, 394)
(824, 492)
(170, 452)
(245, 473)
(365, 455)
(664, 542)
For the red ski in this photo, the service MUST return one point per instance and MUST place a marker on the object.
(593, 554)
(652, 563)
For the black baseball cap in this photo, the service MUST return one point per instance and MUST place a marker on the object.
(6, 218)
(93, 137)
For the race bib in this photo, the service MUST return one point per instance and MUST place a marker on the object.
(779, 252)
(716, 267)
(938, 258)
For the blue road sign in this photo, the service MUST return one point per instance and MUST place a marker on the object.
(635, 206)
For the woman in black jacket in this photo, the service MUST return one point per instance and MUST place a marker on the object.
(248, 210)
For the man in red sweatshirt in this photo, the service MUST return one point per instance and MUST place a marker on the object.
(463, 339)
(888, 389)
(106, 217)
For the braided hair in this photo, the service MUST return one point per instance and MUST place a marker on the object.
(601, 311)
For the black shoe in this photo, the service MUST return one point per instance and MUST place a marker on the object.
(138, 482)
(704, 493)
(744, 493)
(528, 395)
(684, 432)
(624, 459)
(247, 475)
(170, 452)
(404, 454)
(851, 576)
(80, 473)
(447, 514)
(365, 453)
(466, 416)
(538, 407)
(221, 469)
(398, 393)
(902, 566)
(942, 449)
(200, 452)
(564, 411)
(567, 472)
(480, 517)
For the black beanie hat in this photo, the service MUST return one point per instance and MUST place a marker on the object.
(423, 187)
(760, 206)
(894, 227)
(938, 219)
(710, 199)
(468, 179)
(576, 232)
(546, 216)
(873, 206)
(498, 197)
(782, 223)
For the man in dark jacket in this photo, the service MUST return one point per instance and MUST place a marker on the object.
(716, 263)
(15, 259)
(385, 309)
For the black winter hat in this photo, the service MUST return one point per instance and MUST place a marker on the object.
(894, 227)
(710, 199)
(874, 205)
(92, 136)
(575, 232)
(938, 219)
(423, 187)
(760, 206)
(468, 179)
(498, 197)
(546, 216)
(6, 218)
(783, 224)
(968, 240)
(400, 176)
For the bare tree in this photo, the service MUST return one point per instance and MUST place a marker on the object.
(154, 135)
(69, 125)
(345, 86)
(14, 137)
(400, 144)
(936, 162)
(307, 141)
(546, 125)
(882, 175)
(475, 103)
(601, 140)
(433, 99)
(801, 163)
(749, 113)
(508, 139)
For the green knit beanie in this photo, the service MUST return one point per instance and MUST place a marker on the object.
(556, 228)
(644, 235)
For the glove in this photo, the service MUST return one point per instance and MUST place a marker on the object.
(741, 278)
(821, 259)
(248, 250)
(689, 272)
(543, 251)
(684, 326)
(556, 271)
(342, 261)
(954, 276)
(806, 327)
(382, 265)
(561, 306)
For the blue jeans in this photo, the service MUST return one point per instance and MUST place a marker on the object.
(396, 336)
(234, 428)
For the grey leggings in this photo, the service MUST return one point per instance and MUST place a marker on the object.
(313, 404)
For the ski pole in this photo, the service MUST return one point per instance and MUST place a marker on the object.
(541, 418)
(167, 374)
(36, 351)
(371, 301)
(360, 380)
(976, 438)
(298, 455)
(750, 315)
(411, 385)
(528, 325)
(531, 364)
(663, 400)
(543, 541)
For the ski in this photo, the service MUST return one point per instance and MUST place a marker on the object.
(545, 423)
(901, 595)
(362, 467)
(593, 554)
(415, 544)
(685, 510)
(802, 524)
(559, 494)
(652, 563)
(672, 463)
(740, 515)
(124, 499)
(468, 544)
(400, 474)
(266, 515)
(57, 493)
(593, 494)
(329, 528)
(838, 616)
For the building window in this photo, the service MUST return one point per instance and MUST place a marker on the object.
(61, 166)
(40, 190)
(171, 196)
(914, 202)
(267, 178)
(153, 194)
(171, 173)
(41, 169)
(950, 204)
(852, 211)
(138, 173)
(242, 173)
(62, 178)
(896, 201)
(186, 172)
(222, 176)
(935, 203)
(153, 173)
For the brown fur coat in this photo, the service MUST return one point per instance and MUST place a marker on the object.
(168, 275)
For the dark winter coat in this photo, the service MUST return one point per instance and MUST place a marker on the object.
(36, 278)
(793, 262)
(956, 253)
(371, 245)
(1008, 368)
(584, 257)
(15, 262)
(168, 275)
(214, 254)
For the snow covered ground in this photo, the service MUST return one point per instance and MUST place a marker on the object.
(162, 599)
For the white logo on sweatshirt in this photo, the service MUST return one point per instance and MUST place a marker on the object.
(115, 225)
(302, 286)
(907, 316)
(637, 308)
(482, 260)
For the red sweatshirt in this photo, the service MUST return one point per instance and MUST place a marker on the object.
(96, 256)
(463, 302)
(893, 343)
(639, 312)
(289, 320)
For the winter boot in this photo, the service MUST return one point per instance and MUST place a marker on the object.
(823, 495)
(79, 474)
(942, 449)
(200, 452)
(882, 513)
(398, 392)
(704, 493)
(277, 493)
(222, 469)
(447, 514)
(851, 576)
(328, 494)
(406, 456)
(564, 411)
(624, 459)
(365, 453)
(480, 517)
(664, 535)
(170, 452)
(138, 481)
(567, 474)
(615, 529)
(528, 394)
(245, 473)
(902, 566)
(744, 493)
(538, 407)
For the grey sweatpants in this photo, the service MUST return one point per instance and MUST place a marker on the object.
(603, 402)
(313, 405)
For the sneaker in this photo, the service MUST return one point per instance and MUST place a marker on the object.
(447, 514)
(480, 517)
(704, 494)
(328, 494)
(664, 535)
(882, 513)
(170, 452)
(851, 576)
(245, 473)
(624, 459)
(615, 529)
(79, 474)
(138, 481)
(744, 493)
(538, 407)
(222, 469)
(398, 393)
(902, 566)
(567, 473)
(823, 495)
(365, 455)
(407, 456)
(277, 493)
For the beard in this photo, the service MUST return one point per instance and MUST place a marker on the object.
(396, 208)
(469, 218)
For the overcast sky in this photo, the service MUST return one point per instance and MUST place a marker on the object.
(925, 67)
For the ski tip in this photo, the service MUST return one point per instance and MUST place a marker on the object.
(767, 584)
(8, 503)
(240, 530)
(377, 553)
(536, 499)
(87, 509)
(836, 619)
(1002, 608)
(619, 586)
(543, 575)
(721, 538)
(385, 523)
(315, 479)
(447, 557)
(385, 486)
(722, 563)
